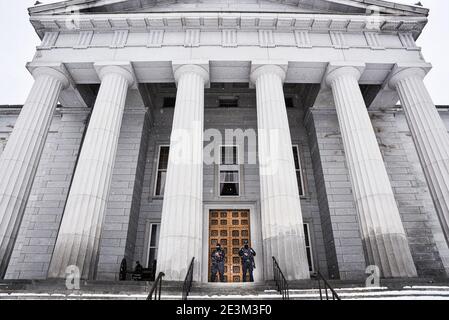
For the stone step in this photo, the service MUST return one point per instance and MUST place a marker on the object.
(408, 293)
(301, 290)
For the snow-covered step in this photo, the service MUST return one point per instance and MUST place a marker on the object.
(220, 291)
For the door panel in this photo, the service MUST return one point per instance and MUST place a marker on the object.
(230, 228)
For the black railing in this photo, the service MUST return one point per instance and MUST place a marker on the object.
(156, 289)
(188, 280)
(281, 281)
(330, 293)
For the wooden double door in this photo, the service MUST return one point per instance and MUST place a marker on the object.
(230, 228)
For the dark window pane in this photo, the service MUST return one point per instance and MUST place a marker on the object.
(168, 85)
(154, 235)
(152, 257)
(306, 234)
(298, 169)
(160, 185)
(240, 85)
(169, 102)
(299, 179)
(217, 85)
(232, 102)
(309, 259)
(163, 158)
(296, 157)
(229, 189)
(289, 103)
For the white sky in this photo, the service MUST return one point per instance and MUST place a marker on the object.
(19, 41)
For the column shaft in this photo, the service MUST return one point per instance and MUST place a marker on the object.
(380, 223)
(20, 159)
(282, 224)
(79, 234)
(430, 137)
(182, 213)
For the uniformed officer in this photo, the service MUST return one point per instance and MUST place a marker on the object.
(248, 264)
(218, 261)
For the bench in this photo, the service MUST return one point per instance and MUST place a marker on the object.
(146, 274)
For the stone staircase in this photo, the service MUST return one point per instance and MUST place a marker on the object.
(301, 290)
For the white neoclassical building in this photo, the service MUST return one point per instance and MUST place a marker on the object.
(155, 129)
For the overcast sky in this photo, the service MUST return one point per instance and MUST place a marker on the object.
(19, 42)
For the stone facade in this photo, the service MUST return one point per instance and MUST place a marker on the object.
(328, 204)
(77, 185)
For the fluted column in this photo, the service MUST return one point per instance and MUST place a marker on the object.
(382, 231)
(282, 224)
(182, 213)
(20, 159)
(429, 135)
(79, 234)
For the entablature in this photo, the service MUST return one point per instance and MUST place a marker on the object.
(230, 37)
(221, 21)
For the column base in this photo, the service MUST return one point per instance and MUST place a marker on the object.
(287, 249)
(391, 253)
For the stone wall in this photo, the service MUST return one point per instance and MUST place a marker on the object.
(343, 244)
(411, 192)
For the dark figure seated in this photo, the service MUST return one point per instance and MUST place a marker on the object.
(139, 274)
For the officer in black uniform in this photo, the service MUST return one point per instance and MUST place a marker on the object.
(218, 261)
(137, 274)
(248, 264)
(139, 268)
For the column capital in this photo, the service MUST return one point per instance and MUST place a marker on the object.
(198, 67)
(403, 71)
(124, 69)
(55, 70)
(260, 68)
(338, 69)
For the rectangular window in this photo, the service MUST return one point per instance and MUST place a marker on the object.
(153, 245)
(168, 85)
(308, 247)
(240, 85)
(161, 174)
(217, 85)
(169, 102)
(228, 102)
(229, 171)
(299, 175)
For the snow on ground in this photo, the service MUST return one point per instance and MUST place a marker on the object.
(380, 293)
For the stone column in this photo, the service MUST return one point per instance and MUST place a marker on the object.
(382, 231)
(282, 224)
(79, 234)
(20, 159)
(429, 135)
(182, 212)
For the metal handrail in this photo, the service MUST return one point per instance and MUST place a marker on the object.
(281, 281)
(156, 288)
(327, 286)
(187, 286)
